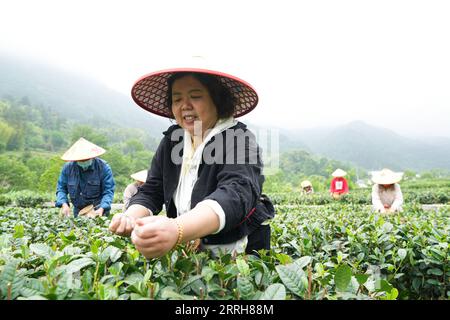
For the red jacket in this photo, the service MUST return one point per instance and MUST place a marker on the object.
(339, 185)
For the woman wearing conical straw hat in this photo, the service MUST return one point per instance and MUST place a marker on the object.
(86, 180)
(132, 188)
(216, 198)
(387, 196)
(339, 184)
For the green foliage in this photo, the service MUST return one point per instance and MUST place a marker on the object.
(89, 133)
(275, 182)
(6, 133)
(132, 146)
(363, 196)
(25, 198)
(299, 165)
(338, 251)
(141, 160)
(49, 177)
(409, 250)
(14, 175)
(34, 133)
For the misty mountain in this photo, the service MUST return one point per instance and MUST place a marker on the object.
(374, 148)
(72, 95)
(86, 100)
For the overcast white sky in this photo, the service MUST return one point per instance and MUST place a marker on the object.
(313, 63)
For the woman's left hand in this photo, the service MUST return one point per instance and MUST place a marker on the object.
(99, 212)
(154, 236)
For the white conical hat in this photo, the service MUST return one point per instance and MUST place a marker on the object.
(306, 183)
(339, 173)
(82, 150)
(386, 176)
(140, 176)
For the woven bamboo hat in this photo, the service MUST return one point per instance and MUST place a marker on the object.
(140, 176)
(339, 173)
(386, 176)
(82, 150)
(306, 183)
(150, 91)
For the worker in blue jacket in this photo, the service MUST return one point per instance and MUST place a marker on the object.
(86, 180)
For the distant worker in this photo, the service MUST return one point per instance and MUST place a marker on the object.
(132, 188)
(307, 187)
(339, 185)
(86, 179)
(387, 196)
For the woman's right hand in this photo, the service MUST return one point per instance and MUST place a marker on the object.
(122, 224)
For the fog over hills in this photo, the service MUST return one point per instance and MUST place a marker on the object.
(85, 99)
(374, 147)
(72, 95)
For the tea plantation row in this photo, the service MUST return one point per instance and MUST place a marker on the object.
(336, 251)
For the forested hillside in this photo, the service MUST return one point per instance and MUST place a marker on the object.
(72, 96)
(32, 139)
(374, 147)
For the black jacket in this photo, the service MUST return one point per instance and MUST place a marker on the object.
(234, 182)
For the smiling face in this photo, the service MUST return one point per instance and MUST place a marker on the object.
(192, 104)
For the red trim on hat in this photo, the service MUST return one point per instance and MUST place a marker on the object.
(148, 107)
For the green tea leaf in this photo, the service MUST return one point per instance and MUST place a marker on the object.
(42, 250)
(362, 278)
(384, 286)
(435, 271)
(283, 258)
(170, 294)
(79, 264)
(245, 287)
(111, 253)
(293, 278)
(32, 287)
(86, 280)
(392, 295)
(243, 267)
(303, 261)
(18, 231)
(190, 281)
(401, 253)
(275, 291)
(342, 277)
(10, 282)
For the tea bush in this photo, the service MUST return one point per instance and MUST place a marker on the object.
(335, 251)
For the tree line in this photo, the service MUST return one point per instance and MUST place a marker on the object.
(32, 139)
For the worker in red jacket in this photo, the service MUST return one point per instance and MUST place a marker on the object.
(339, 185)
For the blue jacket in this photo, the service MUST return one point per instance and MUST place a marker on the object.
(95, 185)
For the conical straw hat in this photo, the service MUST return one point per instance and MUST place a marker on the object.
(140, 176)
(386, 176)
(82, 150)
(339, 173)
(306, 183)
(150, 91)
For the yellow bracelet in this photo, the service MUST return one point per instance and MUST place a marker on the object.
(180, 233)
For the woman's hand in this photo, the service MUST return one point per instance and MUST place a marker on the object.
(122, 224)
(65, 209)
(154, 236)
(99, 212)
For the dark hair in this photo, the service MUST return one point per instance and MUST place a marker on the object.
(220, 94)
